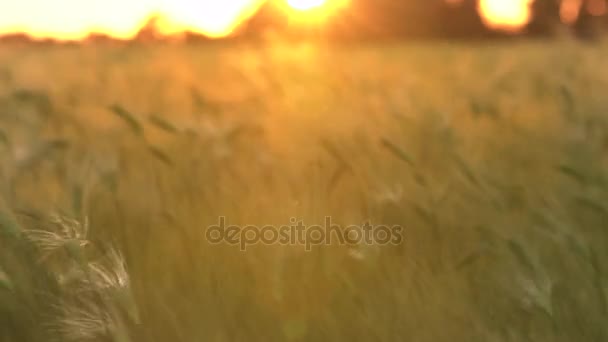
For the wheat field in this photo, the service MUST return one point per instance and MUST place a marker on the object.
(114, 160)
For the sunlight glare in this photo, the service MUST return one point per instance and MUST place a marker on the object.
(506, 14)
(212, 18)
(313, 12)
(72, 19)
(76, 19)
(306, 5)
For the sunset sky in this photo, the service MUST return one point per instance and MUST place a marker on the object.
(75, 19)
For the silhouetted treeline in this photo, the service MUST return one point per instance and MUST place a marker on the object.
(589, 25)
(430, 19)
(23, 38)
(378, 18)
(401, 19)
(591, 18)
(545, 18)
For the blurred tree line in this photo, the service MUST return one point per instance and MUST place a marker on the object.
(416, 19)
(590, 17)
(437, 19)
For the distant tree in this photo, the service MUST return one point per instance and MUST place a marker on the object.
(585, 26)
(461, 19)
(269, 17)
(545, 17)
(190, 37)
(101, 38)
(15, 38)
(362, 18)
(377, 19)
(604, 19)
(419, 19)
(149, 32)
(407, 18)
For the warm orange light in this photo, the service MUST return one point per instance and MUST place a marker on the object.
(212, 18)
(75, 19)
(506, 14)
(569, 10)
(313, 12)
(72, 19)
(306, 5)
(597, 7)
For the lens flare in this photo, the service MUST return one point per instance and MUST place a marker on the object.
(506, 14)
(313, 12)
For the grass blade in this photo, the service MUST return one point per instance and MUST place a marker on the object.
(522, 257)
(572, 173)
(8, 225)
(466, 170)
(163, 124)
(398, 152)
(160, 155)
(4, 140)
(128, 118)
(5, 281)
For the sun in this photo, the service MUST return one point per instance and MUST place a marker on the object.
(312, 12)
(507, 14)
(306, 5)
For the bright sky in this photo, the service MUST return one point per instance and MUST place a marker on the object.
(305, 5)
(75, 19)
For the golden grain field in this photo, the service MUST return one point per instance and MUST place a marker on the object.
(114, 160)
